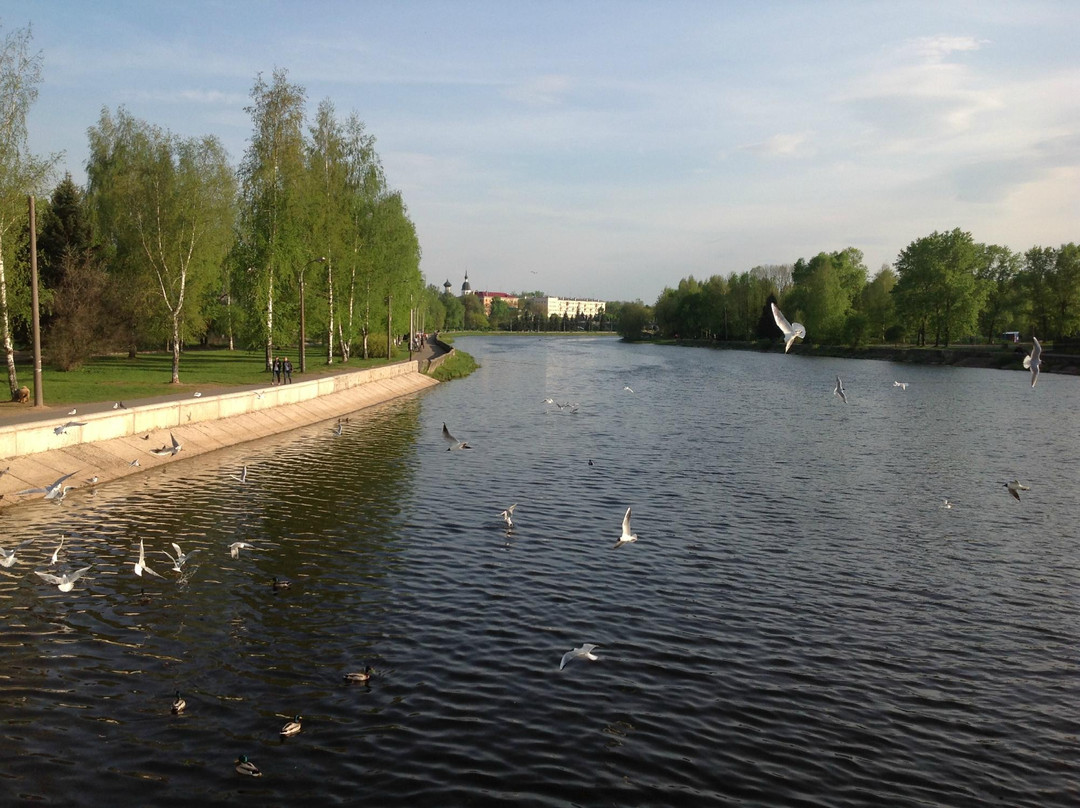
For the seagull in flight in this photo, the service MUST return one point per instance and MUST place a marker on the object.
(180, 558)
(53, 490)
(7, 557)
(584, 652)
(626, 536)
(237, 546)
(73, 411)
(135, 462)
(242, 476)
(60, 430)
(167, 450)
(946, 504)
(901, 385)
(338, 429)
(65, 582)
(791, 330)
(839, 390)
(506, 516)
(56, 552)
(198, 395)
(259, 394)
(1032, 360)
(454, 442)
(140, 565)
(627, 388)
(1015, 487)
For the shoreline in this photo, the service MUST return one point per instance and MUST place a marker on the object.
(108, 442)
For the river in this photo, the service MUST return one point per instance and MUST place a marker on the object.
(800, 623)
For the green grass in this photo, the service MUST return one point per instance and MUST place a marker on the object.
(114, 378)
(457, 366)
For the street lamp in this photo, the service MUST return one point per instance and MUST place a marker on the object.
(303, 324)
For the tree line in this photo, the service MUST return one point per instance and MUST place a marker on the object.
(944, 288)
(169, 245)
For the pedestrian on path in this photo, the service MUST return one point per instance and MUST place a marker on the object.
(286, 366)
(276, 367)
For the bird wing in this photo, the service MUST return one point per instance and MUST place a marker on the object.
(175, 442)
(1015, 493)
(1036, 349)
(569, 655)
(446, 434)
(77, 574)
(176, 547)
(48, 576)
(781, 321)
(626, 523)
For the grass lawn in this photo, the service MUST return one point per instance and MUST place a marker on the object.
(117, 378)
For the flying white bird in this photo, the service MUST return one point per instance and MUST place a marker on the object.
(901, 385)
(56, 552)
(167, 450)
(60, 430)
(791, 330)
(584, 652)
(198, 395)
(7, 557)
(237, 546)
(626, 536)
(507, 514)
(73, 411)
(1032, 360)
(140, 565)
(454, 442)
(135, 462)
(1015, 487)
(180, 558)
(66, 581)
(338, 429)
(627, 388)
(946, 504)
(52, 490)
(242, 476)
(839, 390)
(259, 395)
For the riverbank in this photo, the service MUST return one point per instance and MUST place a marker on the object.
(105, 445)
(994, 357)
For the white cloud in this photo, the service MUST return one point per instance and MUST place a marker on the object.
(781, 145)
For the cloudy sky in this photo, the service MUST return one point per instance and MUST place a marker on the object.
(607, 150)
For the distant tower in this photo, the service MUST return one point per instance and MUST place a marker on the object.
(447, 286)
(465, 288)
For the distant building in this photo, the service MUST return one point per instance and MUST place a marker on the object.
(447, 286)
(571, 307)
(487, 298)
(465, 288)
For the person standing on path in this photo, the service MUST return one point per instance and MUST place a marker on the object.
(276, 368)
(286, 366)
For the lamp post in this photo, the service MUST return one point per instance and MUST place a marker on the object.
(303, 323)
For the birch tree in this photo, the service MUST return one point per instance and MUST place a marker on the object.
(21, 173)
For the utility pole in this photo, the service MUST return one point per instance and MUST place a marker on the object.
(39, 394)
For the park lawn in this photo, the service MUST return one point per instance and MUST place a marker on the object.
(118, 378)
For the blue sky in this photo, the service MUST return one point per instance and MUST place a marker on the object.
(608, 150)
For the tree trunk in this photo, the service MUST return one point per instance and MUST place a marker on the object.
(176, 347)
(9, 347)
(270, 321)
(330, 301)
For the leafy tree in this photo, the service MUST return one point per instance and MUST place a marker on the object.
(937, 289)
(21, 173)
(877, 305)
(165, 203)
(825, 289)
(1039, 265)
(998, 271)
(634, 318)
(1065, 286)
(455, 312)
(64, 228)
(475, 319)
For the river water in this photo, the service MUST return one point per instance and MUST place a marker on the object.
(801, 621)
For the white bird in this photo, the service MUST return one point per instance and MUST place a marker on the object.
(259, 395)
(180, 558)
(66, 581)
(1015, 487)
(242, 476)
(7, 557)
(198, 395)
(507, 514)
(901, 385)
(338, 429)
(454, 442)
(56, 552)
(140, 565)
(167, 450)
(584, 652)
(627, 388)
(72, 412)
(626, 536)
(839, 390)
(60, 430)
(549, 401)
(237, 546)
(119, 405)
(135, 462)
(1032, 360)
(946, 504)
(791, 330)
(94, 480)
(52, 490)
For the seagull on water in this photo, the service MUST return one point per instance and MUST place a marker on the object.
(901, 385)
(7, 557)
(506, 516)
(168, 450)
(180, 558)
(1015, 487)
(140, 565)
(791, 330)
(626, 536)
(52, 490)
(584, 652)
(64, 582)
(1032, 360)
(237, 546)
(60, 430)
(946, 504)
(839, 391)
(454, 442)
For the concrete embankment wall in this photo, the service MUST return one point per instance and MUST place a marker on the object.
(109, 441)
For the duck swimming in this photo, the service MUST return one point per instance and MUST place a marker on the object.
(360, 678)
(246, 767)
(292, 727)
(178, 705)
